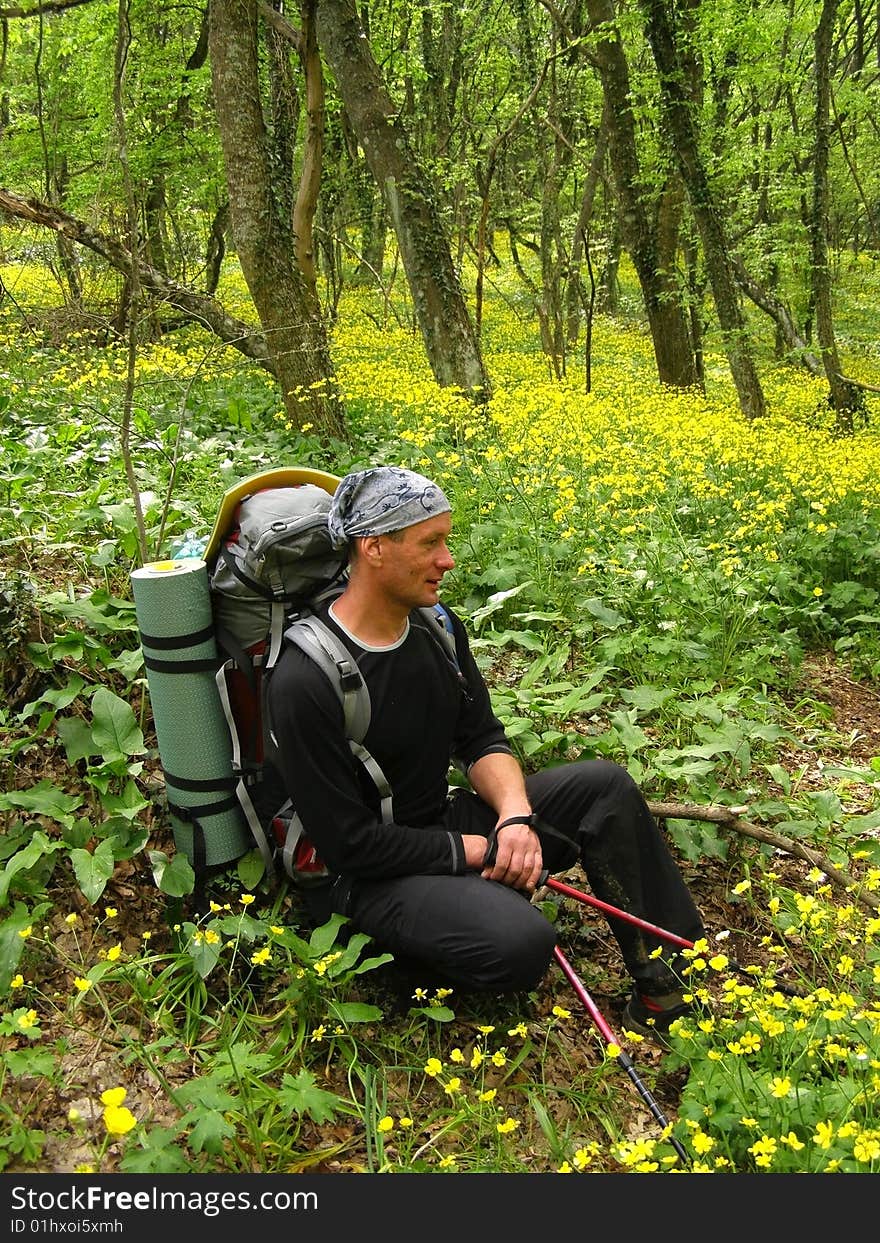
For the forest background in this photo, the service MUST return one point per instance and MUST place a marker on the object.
(609, 274)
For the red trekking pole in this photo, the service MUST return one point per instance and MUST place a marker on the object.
(615, 912)
(610, 1039)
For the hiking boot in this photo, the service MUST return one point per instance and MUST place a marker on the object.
(652, 1016)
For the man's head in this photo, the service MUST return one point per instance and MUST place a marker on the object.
(381, 501)
(396, 524)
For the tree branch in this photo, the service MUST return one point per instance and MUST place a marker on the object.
(195, 306)
(730, 818)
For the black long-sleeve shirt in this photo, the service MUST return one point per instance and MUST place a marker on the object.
(422, 719)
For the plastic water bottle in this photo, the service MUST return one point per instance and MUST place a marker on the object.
(191, 545)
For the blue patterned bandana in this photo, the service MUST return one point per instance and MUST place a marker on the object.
(380, 500)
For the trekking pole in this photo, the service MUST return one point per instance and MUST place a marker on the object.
(622, 1057)
(615, 912)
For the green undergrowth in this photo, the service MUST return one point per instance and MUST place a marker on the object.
(646, 579)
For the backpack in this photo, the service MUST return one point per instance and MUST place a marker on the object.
(271, 565)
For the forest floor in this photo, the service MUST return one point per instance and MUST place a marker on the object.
(850, 714)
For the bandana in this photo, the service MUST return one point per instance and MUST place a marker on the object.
(382, 499)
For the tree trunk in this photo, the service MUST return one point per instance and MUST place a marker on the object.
(681, 125)
(292, 323)
(440, 309)
(663, 304)
(844, 398)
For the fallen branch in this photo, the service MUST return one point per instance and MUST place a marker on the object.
(730, 818)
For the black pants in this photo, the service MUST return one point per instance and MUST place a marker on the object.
(479, 935)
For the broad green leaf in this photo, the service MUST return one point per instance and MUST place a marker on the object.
(115, 730)
(324, 938)
(76, 738)
(44, 799)
(354, 1012)
(173, 876)
(609, 618)
(93, 870)
(37, 848)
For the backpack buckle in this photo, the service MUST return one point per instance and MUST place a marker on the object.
(349, 675)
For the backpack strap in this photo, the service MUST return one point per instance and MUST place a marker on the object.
(313, 637)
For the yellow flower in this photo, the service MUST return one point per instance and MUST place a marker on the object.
(453, 1086)
(477, 1059)
(433, 1066)
(113, 1097)
(823, 1134)
(17, 981)
(113, 952)
(118, 1121)
(519, 1030)
(780, 1087)
(561, 1013)
(385, 1124)
(318, 1034)
(246, 899)
(406, 1123)
(24, 933)
(486, 1031)
(71, 918)
(508, 1125)
(261, 956)
(82, 985)
(28, 1020)
(488, 1095)
(456, 1056)
(111, 912)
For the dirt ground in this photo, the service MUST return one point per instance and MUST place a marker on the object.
(826, 694)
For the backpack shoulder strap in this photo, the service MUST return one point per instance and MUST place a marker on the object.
(439, 624)
(331, 655)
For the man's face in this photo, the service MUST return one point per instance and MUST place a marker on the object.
(415, 560)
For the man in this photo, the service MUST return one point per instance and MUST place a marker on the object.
(447, 882)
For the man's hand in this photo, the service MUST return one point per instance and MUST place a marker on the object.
(518, 861)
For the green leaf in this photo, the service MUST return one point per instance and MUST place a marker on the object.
(251, 869)
(38, 847)
(354, 1012)
(301, 1095)
(209, 1132)
(609, 618)
(324, 938)
(76, 738)
(93, 870)
(173, 876)
(43, 799)
(115, 730)
(11, 944)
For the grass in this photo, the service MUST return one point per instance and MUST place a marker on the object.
(643, 574)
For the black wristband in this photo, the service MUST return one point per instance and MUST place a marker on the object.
(530, 820)
(492, 839)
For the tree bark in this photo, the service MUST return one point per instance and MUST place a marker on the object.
(292, 323)
(678, 114)
(843, 397)
(440, 309)
(663, 305)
